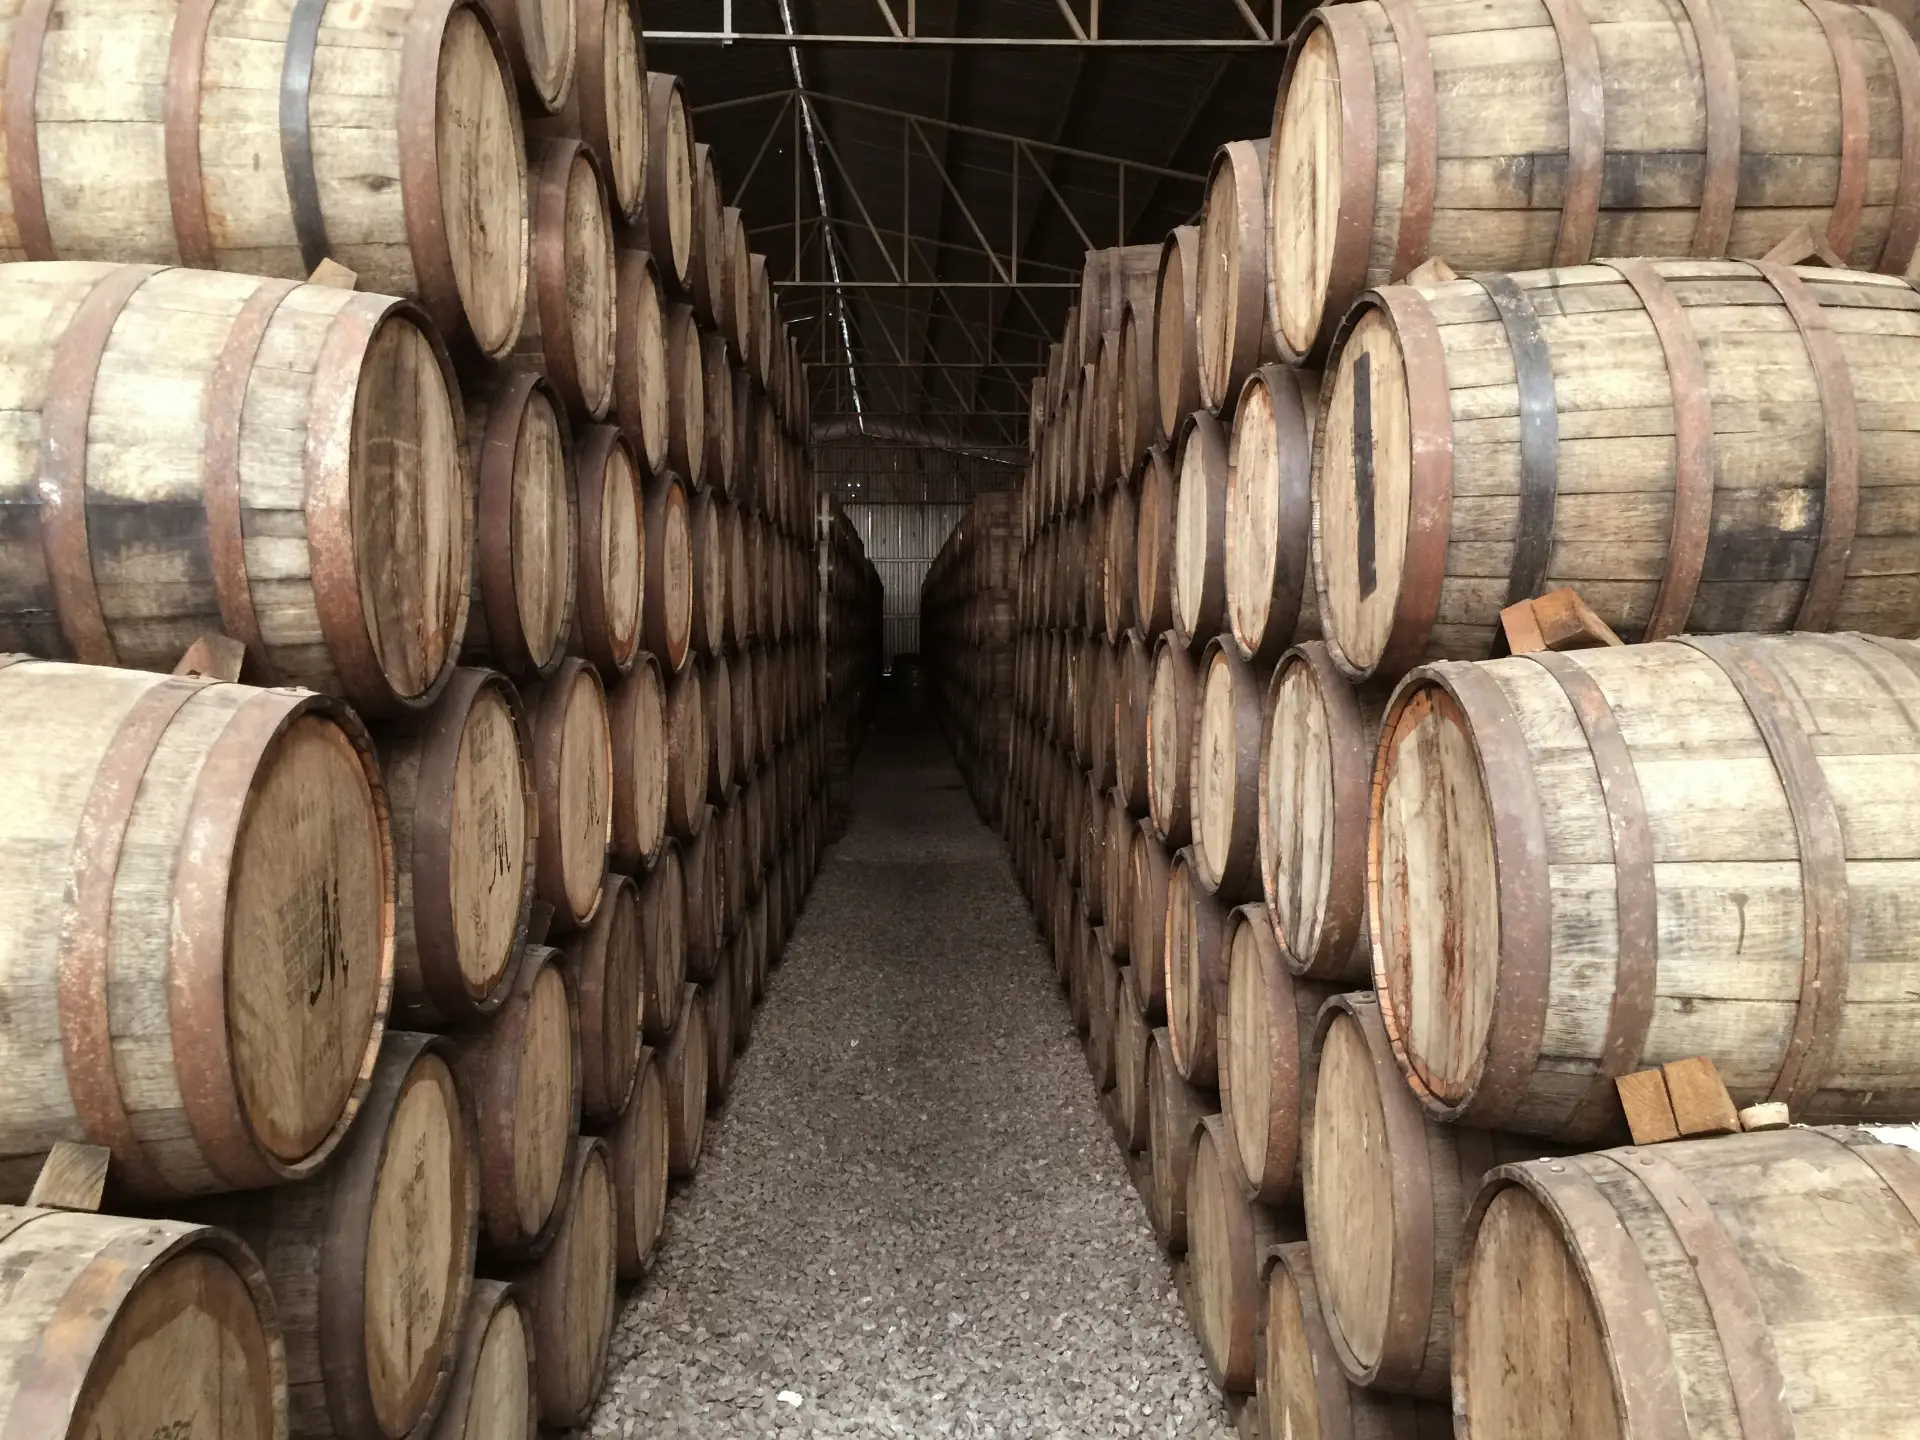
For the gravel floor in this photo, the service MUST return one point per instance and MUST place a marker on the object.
(911, 1219)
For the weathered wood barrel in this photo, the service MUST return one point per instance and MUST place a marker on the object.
(683, 1072)
(718, 994)
(106, 1286)
(1269, 525)
(642, 389)
(1196, 966)
(707, 538)
(234, 1054)
(1148, 868)
(1226, 1235)
(492, 1394)
(1155, 507)
(1386, 1189)
(520, 451)
(636, 716)
(460, 799)
(610, 99)
(1101, 979)
(663, 912)
(1132, 701)
(573, 781)
(1176, 331)
(1315, 773)
(716, 690)
(637, 1155)
(1116, 877)
(686, 377)
(766, 320)
(1225, 778)
(125, 554)
(666, 610)
(1231, 293)
(1799, 518)
(716, 386)
(668, 221)
(1174, 1117)
(1304, 1394)
(540, 39)
(371, 1260)
(743, 674)
(568, 332)
(1200, 531)
(1130, 1037)
(686, 754)
(522, 1073)
(572, 1291)
(1137, 425)
(1103, 415)
(1693, 1286)
(1725, 134)
(1266, 1055)
(700, 874)
(418, 184)
(604, 965)
(706, 277)
(1172, 710)
(1756, 783)
(1119, 544)
(612, 561)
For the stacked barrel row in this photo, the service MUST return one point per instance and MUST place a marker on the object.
(852, 611)
(967, 643)
(1350, 955)
(394, 1031)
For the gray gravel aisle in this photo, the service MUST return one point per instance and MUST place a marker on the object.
(911, 1217)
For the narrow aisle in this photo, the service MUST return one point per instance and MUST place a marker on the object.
(911, 1216)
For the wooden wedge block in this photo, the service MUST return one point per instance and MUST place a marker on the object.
(1701, 1105)
(1643, 1095)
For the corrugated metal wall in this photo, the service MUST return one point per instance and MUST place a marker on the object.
(901, 541)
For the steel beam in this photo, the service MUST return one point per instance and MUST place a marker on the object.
(958, 42)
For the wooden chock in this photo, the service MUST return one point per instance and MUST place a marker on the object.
(333, 273)
(213, 656)
(1643, 1095)
(74, 1177)
(1558, 620)
(1701, 1105)
(1805, 246)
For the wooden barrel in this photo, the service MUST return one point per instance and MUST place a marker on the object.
(666, 608)
(1269, 524)
(1099, 979)
(1120, 561)
(717, 391)
(612, 560)
(637, 719)
(1315, 769)
(114, 154)
(707, 525)
(1176, 331)
(604, 965)
(687, 385)
(738, 307)
(83, 1298)
(1172, 710)
(716, 691)
(573, 781)
(522, 1072)
(1136, 426)
(700, 875)
(686, 754)
(568, 332)
(1132, 700)
(663, 914)
(1149, 868)
(520, 451)
(670, 178)
(1725, 134)
(1692, 1287)
(1466, 516)
(1773, 771)
(1385, 1190)
(460, 799)
(127, 556)
(683, 1072)
(1226, 1236)
(1200, 531)
(1130, 1036)
(642, 386)
(1174, 1116)
(637, 1157)
(1116, 877)
(541, 44)
(766, 319)
(1103, 415)
(571, 1291)
(213, 1024)
(1225, 803)
(371, 1260)
(707, 277)
(492, 1394)
(1196, 969)
(743, 675)
(1266, 1055)
(1304, 1394)
(1231, 292)
(718, 996)
(610, 99)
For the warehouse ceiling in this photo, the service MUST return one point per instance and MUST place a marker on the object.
(970, 152)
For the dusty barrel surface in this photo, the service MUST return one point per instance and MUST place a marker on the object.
(1231, 292)
(684, 1070)
(686, 754)
(201, 955)
(1316, 769)
(136, 135)
(540, 39)
(669, 216)
(1604, 426)
(1753, 785)
(612, 563)
(492, 1395)
(1196, 965)
(667, 603)
(637, 715)
(324, 419)
(371, 1261)
(1172, 707)
(568, 332)
(637, 1155)
(1574, 1321)
(1176, 332)
(460, 793)
(642, 391)
(1225, 778)
(1174, 1117)
(604, 964)
(107, 1286)
(1200, 530)
(663, 913)
(1148, 865)
(520, 452)
(1135, 420)
(1130, 1037)
(707, 536)
(1401, 130)
(573, 780)
(1226, 1235)
(1132, 700)
(1269, 528)
(610, 98)
(1154, 511)
(571, 1291)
